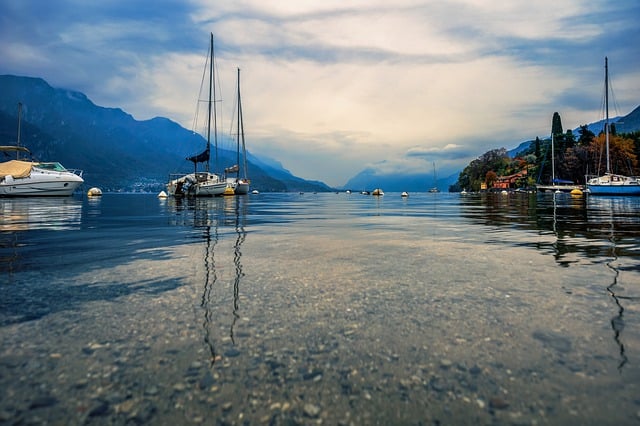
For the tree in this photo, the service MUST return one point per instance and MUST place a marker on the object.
(586, 135)
(475, 173)
(490, 178)
(556, 124)
(621, 155)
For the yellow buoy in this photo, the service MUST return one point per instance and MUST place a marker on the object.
(575, 192)
(94, 192)
(229, 191)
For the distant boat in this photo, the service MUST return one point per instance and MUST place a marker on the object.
(201, 184)
(557, 185)
(435, 180)
(239, 184)
(610, 183)
(377, 191)
(28, 178)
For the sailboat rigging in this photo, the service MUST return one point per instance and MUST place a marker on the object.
(610, 183)
(202, 184)
(435, 180)
(557, 185)
(240, 184)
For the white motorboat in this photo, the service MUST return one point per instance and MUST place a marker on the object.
(22, 178)
(28, 177)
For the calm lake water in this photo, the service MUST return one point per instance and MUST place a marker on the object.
(320, 309)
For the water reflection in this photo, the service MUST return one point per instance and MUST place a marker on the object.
(23, 214)
(214, 217)
(18, 215)
(578, 227)
(606, 208)
(596, 230)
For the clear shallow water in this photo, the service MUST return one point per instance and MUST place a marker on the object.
(309, 308)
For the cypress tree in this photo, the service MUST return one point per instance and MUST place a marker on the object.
(556, 124)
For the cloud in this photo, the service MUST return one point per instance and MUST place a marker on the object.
(332, 87)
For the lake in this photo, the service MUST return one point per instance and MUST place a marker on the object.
(326, 308)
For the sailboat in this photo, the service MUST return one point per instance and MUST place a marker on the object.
(27, 178)
(239, 184)
(435, 180)
(204, 183)
(557, 185)
(610, 183)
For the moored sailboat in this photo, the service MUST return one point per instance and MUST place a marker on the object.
(240, 184)
(557, 185)
(434, 188)
(204, 183)
(611, 183)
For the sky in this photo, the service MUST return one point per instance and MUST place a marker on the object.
(333, 87)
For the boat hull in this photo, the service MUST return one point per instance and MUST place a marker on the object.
(611, 184)
(201, 184)
(240, 187)
(210, 189)
(614, 189)
(41, 185)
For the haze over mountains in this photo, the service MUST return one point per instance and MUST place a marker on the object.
(119, 153)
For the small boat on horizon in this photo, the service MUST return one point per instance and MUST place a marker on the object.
(434, 189)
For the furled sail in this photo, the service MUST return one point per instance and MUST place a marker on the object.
(200, 158)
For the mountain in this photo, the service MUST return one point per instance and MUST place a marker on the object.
(370, 179)
(116, 151)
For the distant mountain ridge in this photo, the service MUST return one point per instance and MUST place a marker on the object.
(116, 152)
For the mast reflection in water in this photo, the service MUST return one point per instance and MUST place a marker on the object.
(582, 230)
(214, 217)
(602, 211)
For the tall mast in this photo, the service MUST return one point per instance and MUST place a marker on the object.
(238, 124)
(215, 116)
(606, 103)
(19, 119)
(209, 103)
(553, 162)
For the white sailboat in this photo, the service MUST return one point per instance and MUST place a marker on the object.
(26, 178)
(239, 184)
(435, 180)
(610, 183)
(557, 185)
(205, 183)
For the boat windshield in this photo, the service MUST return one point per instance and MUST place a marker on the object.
(56, 167)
